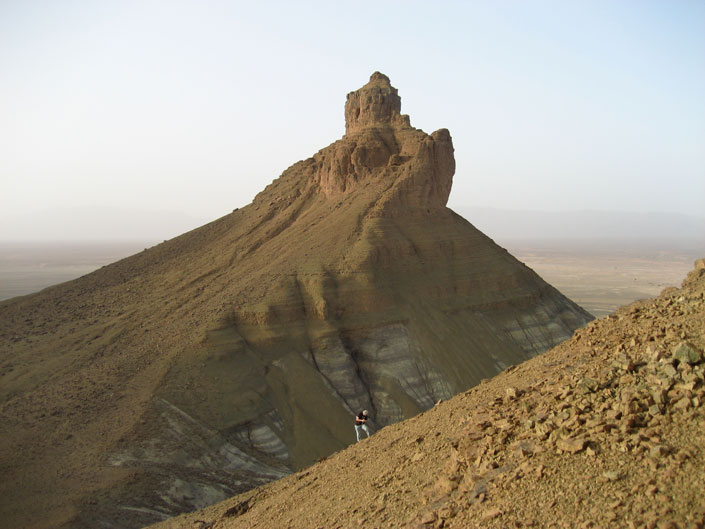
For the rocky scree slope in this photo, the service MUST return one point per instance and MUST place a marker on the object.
(605, 430)
(226, 357)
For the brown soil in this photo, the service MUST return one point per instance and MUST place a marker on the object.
(605, 430)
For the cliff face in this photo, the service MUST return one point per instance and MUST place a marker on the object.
(228, 356)
(405, 167)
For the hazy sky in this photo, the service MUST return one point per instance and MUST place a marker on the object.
(195, 106)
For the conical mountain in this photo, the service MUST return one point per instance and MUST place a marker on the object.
(234, 353)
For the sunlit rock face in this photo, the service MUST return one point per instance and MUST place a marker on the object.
(376, 104)
(239, 351)
(380, 146)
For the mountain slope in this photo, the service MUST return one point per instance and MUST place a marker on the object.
(228, 356)
(605, 430)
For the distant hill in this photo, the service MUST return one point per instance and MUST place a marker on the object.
(511, 225)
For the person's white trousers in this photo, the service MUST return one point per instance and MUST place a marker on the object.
(359, 428)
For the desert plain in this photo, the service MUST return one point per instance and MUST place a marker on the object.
(600, 276)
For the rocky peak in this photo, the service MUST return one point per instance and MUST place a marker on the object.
(375, 104)
(407, 167)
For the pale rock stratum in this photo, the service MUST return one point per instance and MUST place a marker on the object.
(235, 353)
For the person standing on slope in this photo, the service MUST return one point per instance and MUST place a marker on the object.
(361, 424)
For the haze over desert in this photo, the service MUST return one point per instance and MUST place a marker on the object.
(599, 276)
(228, 228)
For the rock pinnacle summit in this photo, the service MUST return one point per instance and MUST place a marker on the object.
(375, 104)
(411, 171)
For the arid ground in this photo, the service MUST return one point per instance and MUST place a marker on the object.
(598, 276)
(602, 276)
